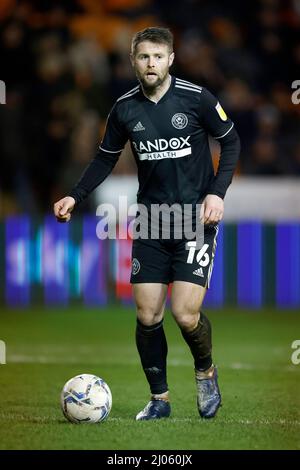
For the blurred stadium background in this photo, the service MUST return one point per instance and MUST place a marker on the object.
(64, 63)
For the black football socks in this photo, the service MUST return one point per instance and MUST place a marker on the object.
(199, 342)
(152, 347)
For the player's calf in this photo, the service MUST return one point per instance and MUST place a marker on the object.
(200, 343)
(152, 347)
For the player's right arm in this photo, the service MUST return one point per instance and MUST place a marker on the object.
(99, 168)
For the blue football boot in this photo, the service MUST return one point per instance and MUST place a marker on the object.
(208, 394)
(155, 409)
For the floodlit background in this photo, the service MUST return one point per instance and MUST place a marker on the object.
(65, 63)
(65, 297)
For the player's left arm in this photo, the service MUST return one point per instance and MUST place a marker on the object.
(220, 127)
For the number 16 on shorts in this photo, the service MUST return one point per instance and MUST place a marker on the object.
(202, 257)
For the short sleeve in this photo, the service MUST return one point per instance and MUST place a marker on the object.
(213, 117)
(115, 136)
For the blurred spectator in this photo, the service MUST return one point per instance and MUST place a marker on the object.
(197, 61)
(265, 158)
(240, 103)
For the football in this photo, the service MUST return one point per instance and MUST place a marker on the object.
(86, 398)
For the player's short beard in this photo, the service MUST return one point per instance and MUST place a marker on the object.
(152, 86)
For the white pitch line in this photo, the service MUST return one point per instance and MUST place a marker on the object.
(69, 359)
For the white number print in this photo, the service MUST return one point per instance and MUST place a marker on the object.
(202, 257)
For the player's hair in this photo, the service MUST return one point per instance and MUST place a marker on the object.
(157, 35)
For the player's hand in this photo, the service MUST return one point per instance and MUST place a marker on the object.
(212, 210)
(63, 208)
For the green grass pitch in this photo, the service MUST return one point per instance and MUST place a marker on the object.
(45, 347)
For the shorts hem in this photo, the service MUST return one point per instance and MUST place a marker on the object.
(192, 281)
(149, 281)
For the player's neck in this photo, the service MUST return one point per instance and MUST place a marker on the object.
(156, 94)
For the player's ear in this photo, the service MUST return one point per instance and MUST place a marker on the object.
(171, 59)
(131, 59)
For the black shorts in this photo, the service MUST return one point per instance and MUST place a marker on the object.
(165, 261)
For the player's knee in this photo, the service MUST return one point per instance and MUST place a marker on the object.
(148, 316)
(187, 319)
(187, 323)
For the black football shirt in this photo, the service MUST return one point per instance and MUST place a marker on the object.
(169, 141)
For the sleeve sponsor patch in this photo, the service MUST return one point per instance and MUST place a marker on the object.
(221, 112)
